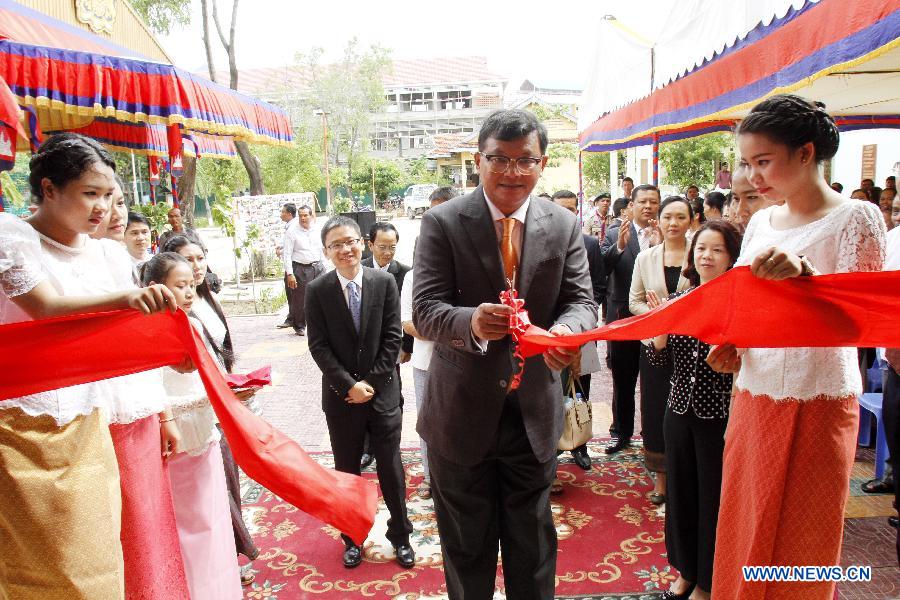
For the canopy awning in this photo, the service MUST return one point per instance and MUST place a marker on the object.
(72, 77)
(152, 140)
(845, 54)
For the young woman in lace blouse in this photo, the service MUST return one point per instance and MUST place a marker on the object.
(694, 424)
(60, 500)
(792, 434)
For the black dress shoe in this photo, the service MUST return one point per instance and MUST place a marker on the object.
(300, 332)
(405, 556)
(617, 445)
(581, 458)
(352, 556)
(894, 522)
(366, 460)
(284, 325)
(878, 486)
(670, 595)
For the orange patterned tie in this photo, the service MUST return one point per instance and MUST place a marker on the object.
(508, 250)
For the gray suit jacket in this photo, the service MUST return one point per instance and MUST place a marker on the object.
(458, 267)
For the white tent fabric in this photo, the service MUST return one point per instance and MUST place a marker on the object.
(691, 32)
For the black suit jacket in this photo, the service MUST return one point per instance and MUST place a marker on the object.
(619, 267)
(595, 266)
(399, 271)
(345, 356)
(458, 267)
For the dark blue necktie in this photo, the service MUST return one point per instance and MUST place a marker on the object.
(353, 294)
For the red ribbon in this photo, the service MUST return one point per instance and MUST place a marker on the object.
(518, 325)
(846, 309)
(93, 349)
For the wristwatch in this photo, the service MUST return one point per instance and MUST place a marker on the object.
(806, 267)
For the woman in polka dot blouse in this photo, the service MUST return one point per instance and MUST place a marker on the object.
(694, 424)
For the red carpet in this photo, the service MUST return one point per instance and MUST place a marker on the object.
(610, 541)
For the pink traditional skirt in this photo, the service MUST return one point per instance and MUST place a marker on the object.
(785, 483)
(153, 565)
(203, 516)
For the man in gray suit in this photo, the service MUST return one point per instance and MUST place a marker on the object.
(492, 451)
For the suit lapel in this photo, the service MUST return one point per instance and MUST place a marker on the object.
(368, 296)
(534, 238)
(477, 223)
(341, 302)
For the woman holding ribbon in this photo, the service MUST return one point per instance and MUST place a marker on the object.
(60, 498)
(657, 273)
(791, 439)
(217, 335)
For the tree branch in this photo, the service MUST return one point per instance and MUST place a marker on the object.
(206, 41)
(218, 24)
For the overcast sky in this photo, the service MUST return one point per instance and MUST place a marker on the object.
(548, 41)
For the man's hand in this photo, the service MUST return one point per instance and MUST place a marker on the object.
(405, 357)
(360, 393)
(654, 232)
(624, 235)
(292, 282)
(152, 299)
(724, 359)
(560, 358)
(491, 321)
(776, 264)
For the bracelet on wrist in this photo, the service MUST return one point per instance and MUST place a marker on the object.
(167, 420)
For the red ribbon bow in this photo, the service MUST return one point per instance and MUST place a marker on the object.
(518, 325)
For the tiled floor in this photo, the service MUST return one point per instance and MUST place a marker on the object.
(293, 404)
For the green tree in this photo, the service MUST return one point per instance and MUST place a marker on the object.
(161, 16)
(558, 152)
(595, 171)
(387, 176)
(295, 168)
(694, 160)
(349, 91)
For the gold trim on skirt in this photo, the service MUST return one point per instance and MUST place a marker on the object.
(60, 509)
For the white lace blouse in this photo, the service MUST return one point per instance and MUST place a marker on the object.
(848, 239)
(190, 406)
(27, 259)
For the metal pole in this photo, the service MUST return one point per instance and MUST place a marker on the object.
(580, 190)
(613, 174)
(325, 150)
(134, 182)
(656, 159)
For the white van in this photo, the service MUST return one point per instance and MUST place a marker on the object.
(415, 201)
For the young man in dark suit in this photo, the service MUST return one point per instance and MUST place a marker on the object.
(354, 336)
(491, 449)
(383, 239)
(619, 249)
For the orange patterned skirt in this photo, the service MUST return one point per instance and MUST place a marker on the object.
(785, 482)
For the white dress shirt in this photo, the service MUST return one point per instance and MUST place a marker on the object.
(422, 349)
(519, 229)
(892, 260)
(643, 236)
(344, 281)
(300, 245)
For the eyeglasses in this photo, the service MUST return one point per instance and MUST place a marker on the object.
(384, 248)
(351, 243)
(499, 164)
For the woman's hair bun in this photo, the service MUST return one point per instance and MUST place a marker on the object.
(794, 121)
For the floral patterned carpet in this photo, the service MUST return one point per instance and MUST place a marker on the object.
(611, 542)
